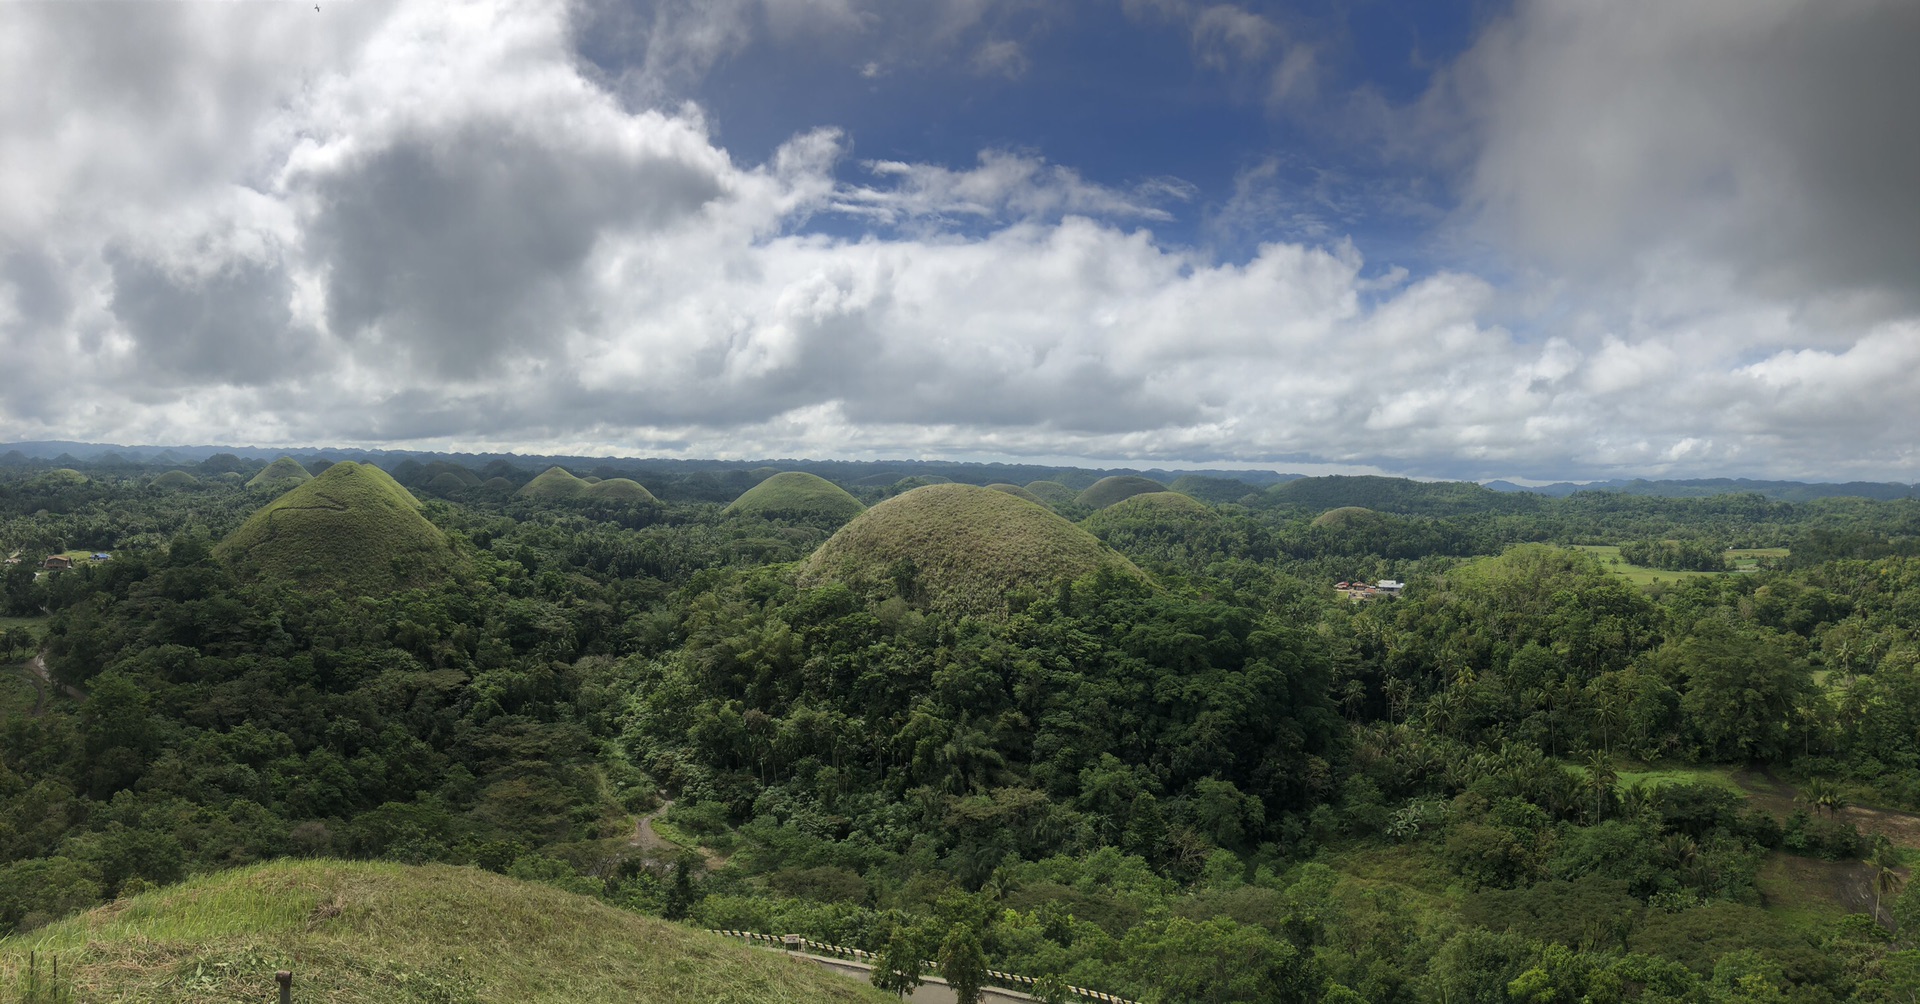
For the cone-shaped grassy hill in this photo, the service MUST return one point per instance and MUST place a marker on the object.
(968, 546)
(1158, 506)
(175, 479)
(351, 528)
(798, 495)
(1108, 490)
(1017, 492)
(553, 483)
(618, 490)
(376, 933)
(445, 482)
(497, 485)
(1346, 515)
(1215, 490)
(1051, 492)
(280, 475)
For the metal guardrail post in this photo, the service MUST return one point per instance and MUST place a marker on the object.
(286, 986)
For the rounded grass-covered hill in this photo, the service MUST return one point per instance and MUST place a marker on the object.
(1051, 492)
(352, 528)
(967, 547)
(797, 495)
(378, 933)
(1018, 492)
(618, 490)
(552, 483)
(1163, 506)
(175, 479)
(1108, 490)
(280, 475)
(1345, 516)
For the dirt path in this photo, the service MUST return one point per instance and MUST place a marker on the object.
(37, 667)
(652, 844)
(1780, 798)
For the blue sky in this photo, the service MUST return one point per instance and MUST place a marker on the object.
(1531, 240)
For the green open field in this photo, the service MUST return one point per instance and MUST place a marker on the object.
(1745, 559)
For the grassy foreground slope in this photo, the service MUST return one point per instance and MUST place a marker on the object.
(353, 527)
(964, 548)
(373, 933)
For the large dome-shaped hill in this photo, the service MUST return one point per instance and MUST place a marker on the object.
(1017, 492)
(352, 528)
(280, 475)
(618, 490)
(797, 495)
(1163, 506)
(1108, 490)
(553, 483)
(1051, 492)
(1345, 516)
(175, 479)
(968, 547)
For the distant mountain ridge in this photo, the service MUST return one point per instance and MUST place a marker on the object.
(838, 471)
(1785, 491)
(887, 471)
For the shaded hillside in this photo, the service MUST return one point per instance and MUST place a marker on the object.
(375, 933)
(352, 528)
(959, 548)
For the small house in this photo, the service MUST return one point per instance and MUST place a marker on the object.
(1390, 587)
(56, 562)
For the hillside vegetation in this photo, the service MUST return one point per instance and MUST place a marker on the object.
(962, 547)
(352, 528)
(1108, 490)
(798, 495)
(377, 933)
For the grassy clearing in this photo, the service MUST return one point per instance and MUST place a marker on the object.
(1743, 559)
(1809, 894)
(1639, 575)
(372, 933)
(17, 692)
(962, 547)
(38, 625)
(1651, 776)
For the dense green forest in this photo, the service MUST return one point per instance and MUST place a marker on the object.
(1129, 738)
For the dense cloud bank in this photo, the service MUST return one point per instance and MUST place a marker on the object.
(422, 224)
